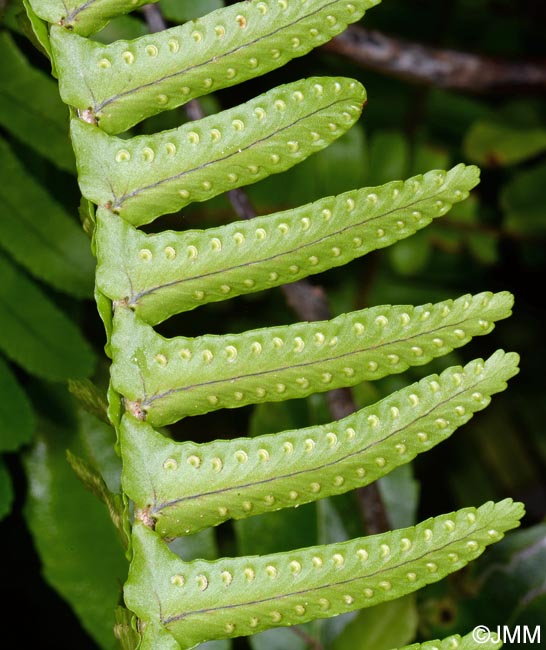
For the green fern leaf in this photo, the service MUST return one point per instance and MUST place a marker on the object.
(184, 487)
(231, 597)
(165, 380)
(120, 84)
(163, 274)
(83, 16)
(456, 642)
(148, 176)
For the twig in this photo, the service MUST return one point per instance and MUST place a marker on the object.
(194, 110)
(154, 18)
(442, 68)
(312, 643)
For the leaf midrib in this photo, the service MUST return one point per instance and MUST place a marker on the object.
(148, 401)
(136, 297)
(118, 202)
(331, 585)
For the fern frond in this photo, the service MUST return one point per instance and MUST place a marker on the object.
(184, 487)
(180, 488)
(83, 16)
(163, 274)
(164, 380)
(150, 175)
(198, 601)
(120, 84)
(456, 642)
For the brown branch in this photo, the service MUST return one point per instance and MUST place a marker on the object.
(442, 68)
(194, 110)
(154, 18)
(312, 643)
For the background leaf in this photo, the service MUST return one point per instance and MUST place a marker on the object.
(16, 415)
(6, 490)
(181, 10)
(80, 552)
(30, 107)
(400, 494)
(382, 627)
(515, 567)
(281, 638)
(36, 334)
(388, 157)
(492, 143)
(523, 203)
(40, 235)
(410, 256)
(124, 27)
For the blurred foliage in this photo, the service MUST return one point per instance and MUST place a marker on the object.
(504, 587)
(81, 554)
(60, 536)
